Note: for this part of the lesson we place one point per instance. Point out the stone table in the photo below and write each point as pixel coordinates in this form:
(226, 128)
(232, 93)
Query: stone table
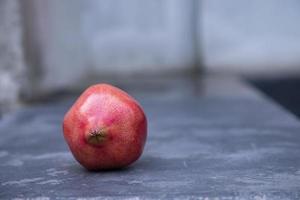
(213, 138)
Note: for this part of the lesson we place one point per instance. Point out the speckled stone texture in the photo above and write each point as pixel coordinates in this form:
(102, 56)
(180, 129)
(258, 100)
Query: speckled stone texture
(217, 139)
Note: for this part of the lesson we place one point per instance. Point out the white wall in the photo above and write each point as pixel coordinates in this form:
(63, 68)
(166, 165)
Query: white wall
(113, 37)
(251, 37)
(67, 42)
(110, 38)
(12, 68)
(137, 36)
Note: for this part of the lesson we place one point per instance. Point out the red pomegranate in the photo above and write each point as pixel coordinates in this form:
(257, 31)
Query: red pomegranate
(105, 128)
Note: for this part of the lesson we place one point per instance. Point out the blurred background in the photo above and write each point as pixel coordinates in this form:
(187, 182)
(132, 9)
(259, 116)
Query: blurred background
(47, 47)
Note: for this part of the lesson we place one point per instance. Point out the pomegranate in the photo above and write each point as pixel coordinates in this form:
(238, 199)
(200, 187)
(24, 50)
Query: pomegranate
(105, 128)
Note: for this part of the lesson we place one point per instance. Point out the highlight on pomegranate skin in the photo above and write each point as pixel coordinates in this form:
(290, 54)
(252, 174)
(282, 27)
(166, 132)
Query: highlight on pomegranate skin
(105, 128)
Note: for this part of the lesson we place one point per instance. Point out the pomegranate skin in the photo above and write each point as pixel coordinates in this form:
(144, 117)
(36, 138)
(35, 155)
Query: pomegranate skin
(105, 128)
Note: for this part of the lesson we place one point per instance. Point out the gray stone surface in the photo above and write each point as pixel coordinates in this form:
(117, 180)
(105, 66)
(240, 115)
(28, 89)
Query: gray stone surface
(229, 143)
